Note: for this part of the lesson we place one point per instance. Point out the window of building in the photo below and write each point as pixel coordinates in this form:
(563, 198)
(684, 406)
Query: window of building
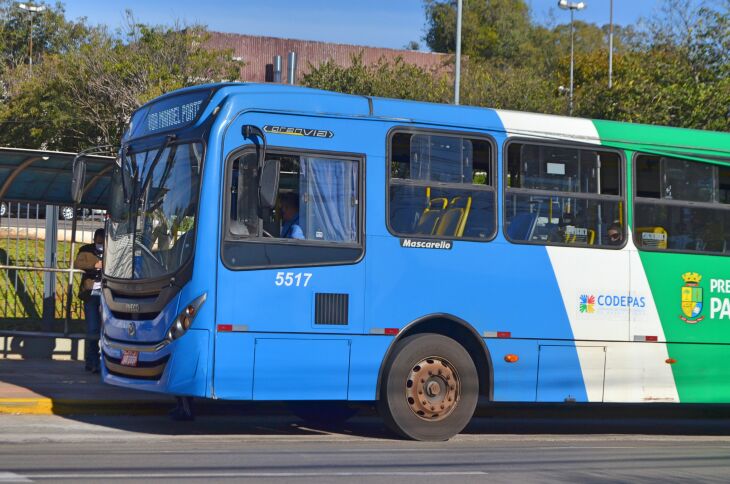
(316, 219)
(681, 205)
(562, 195)
(441, 186)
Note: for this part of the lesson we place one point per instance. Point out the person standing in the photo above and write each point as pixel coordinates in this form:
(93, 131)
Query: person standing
(89, 259)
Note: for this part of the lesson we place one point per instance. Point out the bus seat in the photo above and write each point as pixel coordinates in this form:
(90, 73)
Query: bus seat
(653, 237)
(431, 215)
(579, 235)
(454, 219)
(522, 226)
(715, 245)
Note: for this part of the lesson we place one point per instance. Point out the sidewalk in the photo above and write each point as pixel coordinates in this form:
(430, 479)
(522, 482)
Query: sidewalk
(46, 387)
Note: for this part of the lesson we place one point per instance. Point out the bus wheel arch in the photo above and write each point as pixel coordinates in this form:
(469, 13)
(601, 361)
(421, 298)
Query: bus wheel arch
(431, 379)
(457, 329)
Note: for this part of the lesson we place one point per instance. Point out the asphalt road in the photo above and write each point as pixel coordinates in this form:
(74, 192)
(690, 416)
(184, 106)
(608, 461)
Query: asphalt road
(280, 448)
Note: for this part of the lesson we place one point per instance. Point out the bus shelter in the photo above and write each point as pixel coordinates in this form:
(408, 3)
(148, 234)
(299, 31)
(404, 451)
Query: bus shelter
(40, 226)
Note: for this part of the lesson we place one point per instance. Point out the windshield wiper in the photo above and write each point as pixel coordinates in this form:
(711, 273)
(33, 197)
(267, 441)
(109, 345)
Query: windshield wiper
(168, 139)
(123, 154)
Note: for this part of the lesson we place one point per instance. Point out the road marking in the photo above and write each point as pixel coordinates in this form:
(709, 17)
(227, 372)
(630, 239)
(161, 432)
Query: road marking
(12, 477)
(28, 406)
(181, 475)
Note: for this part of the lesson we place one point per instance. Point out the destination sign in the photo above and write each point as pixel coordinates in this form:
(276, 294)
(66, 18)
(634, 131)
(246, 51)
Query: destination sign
(169, 113)
(173, 117)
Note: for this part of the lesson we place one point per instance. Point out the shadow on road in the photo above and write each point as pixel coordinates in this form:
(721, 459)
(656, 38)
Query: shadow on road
(81, 396)
(245, 419)
(649, 419)
(232, 419)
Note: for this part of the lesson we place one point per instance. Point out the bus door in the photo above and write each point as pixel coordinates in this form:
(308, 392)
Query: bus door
(290, 280)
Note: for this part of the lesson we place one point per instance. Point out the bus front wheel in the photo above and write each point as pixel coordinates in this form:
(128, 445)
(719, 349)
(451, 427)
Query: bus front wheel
(429, 389)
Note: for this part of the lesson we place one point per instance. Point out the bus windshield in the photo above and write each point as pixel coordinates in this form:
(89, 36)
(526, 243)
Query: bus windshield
(152, 211)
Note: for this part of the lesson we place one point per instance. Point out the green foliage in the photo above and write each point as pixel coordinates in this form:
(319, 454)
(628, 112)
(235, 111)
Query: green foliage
(678, 76)
(491, 29)
(675, 71)
(52, 33)
(509, 87)
(85, 95)
(396, 79)
(86, 81)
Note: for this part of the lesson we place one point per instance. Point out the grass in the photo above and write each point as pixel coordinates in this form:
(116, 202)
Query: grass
(21, 291)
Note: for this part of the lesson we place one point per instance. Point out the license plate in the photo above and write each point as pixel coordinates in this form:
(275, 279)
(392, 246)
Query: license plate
(129, 358)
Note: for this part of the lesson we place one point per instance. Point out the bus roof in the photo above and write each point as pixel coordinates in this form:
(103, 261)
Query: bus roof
(623, 135)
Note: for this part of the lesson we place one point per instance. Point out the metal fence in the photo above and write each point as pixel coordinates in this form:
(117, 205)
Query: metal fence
(36, 245)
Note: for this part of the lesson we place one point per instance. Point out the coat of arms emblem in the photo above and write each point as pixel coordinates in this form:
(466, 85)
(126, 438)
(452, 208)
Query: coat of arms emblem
(691, 298)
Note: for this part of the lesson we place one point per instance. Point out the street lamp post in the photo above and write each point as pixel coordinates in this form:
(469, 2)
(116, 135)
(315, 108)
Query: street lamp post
(610, 47)
(566, 5)
(457, 72)
(31, 9)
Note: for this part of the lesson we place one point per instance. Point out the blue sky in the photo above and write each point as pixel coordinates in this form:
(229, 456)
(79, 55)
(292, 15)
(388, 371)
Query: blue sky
(381, 23)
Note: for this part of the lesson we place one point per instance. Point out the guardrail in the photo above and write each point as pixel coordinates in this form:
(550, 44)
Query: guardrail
(24, 299)
(38, 283)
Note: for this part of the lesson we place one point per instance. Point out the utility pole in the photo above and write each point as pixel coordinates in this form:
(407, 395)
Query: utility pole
(566, 5)
(457, 74)
(610, 48)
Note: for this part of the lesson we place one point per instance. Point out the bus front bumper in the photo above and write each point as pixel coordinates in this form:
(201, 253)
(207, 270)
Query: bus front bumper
(179, 367)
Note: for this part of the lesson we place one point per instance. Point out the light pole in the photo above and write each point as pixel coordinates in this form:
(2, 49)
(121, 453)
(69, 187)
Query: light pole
(566, 5)
(31, 9)
(457, 73)
(610, 47)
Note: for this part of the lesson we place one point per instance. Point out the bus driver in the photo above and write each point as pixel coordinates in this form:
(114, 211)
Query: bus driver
(290, 228)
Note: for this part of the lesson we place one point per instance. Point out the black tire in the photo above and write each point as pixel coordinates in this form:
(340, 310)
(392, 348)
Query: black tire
(323, 413)
(435, 417)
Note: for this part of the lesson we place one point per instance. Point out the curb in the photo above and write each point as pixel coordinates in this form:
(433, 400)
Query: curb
(49, 406)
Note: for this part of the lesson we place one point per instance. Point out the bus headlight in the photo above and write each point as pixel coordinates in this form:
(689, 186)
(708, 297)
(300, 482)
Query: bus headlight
(184, 320)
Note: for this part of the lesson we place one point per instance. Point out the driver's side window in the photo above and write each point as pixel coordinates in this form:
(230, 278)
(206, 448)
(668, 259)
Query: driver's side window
(317, 199)
(317, 207)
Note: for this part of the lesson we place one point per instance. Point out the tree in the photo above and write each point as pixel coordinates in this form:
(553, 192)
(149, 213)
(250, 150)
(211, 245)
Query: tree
(677, 75)
(491, 29)
(52, 33)
(509, 87)
(396, 79)
(85, 96)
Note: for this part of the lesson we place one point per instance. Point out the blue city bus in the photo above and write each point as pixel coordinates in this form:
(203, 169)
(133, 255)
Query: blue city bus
(277, 243)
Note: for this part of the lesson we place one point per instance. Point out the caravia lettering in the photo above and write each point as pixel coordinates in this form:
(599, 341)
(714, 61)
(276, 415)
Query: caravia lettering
(291, 131)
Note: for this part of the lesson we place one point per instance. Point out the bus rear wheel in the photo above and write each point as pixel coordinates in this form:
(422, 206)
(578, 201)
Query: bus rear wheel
(429, 389)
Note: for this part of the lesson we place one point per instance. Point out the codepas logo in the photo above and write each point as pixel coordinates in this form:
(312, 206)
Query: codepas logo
(590, 303)
(587, 304)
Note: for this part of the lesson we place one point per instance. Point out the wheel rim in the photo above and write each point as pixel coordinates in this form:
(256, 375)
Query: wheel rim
(433, 388)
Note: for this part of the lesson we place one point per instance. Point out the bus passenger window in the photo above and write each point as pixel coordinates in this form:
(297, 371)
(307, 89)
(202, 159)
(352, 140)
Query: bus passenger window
(558, 195)
(441, 186)
(687, 208)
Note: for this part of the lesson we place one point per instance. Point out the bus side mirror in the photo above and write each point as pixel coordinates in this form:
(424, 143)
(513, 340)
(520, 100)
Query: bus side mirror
(269, 184)
(77, 179)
